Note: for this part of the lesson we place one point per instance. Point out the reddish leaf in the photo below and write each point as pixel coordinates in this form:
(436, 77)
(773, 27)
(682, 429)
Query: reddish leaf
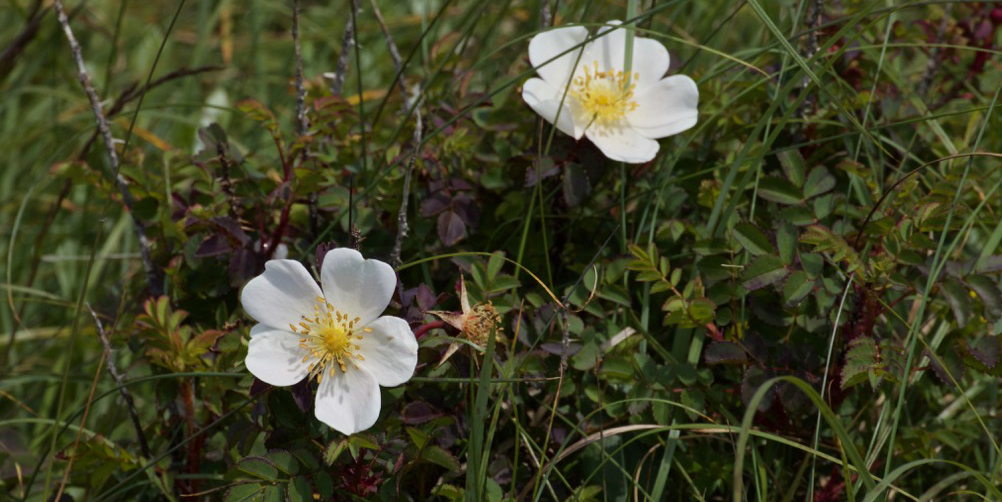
(451, 228)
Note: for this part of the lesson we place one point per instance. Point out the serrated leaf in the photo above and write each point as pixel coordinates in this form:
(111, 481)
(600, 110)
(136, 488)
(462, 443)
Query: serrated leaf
(259, 467)
(779, 190)
(701, 311)
(989, 293)
(797, 287)
(752, 239)
(819, 181)
(334, 450)
(952, 366)
(244, 492)
(284, 461)
(763, 271)
(860, 359)
(960, 302)
(437, 455)
(987, 351)
(724, 353)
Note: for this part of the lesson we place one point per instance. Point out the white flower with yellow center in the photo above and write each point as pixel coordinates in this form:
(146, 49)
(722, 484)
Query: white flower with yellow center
(335, 336)
(585, 92)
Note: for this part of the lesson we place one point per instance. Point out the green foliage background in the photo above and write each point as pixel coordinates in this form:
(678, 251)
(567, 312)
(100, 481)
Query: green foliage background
(798, 299)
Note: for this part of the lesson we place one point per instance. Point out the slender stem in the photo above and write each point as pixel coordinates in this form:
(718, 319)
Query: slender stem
(126, 395)
(152, 274)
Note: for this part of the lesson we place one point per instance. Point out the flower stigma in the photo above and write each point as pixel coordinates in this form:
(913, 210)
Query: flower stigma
(330, 337)
(604, 97)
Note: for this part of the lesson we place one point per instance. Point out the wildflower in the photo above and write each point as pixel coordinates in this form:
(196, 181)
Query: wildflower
(475, 323)
(335, 336)
(585, 92)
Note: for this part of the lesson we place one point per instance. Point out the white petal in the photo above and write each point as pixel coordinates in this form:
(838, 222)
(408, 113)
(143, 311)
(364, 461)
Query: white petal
(348, 401)
(549, 44)
(650, 58)
(623, 144)
(274, 356)
(355, 286)
(281, 295)
(390, 351)
(666, 108)
(545, 100)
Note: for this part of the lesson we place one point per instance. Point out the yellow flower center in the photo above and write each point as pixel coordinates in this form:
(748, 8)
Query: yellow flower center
(330, 338)
(604, 96)
(480, 322)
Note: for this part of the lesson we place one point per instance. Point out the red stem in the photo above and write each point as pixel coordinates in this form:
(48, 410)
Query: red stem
(425, 328)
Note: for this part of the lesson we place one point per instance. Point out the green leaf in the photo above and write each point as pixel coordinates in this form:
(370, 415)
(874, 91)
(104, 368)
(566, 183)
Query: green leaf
(259, 467)
(616, 294)
(436, 455)
(798, 215)
(273, 493)
(244, 492)
(494, 265)
(797, 287)
(786, 241)
(793, 165)
(960, 302)
(284, 461)
(299, 490)
(819, 181)
(334, 450)
(324, 484)
(779, 190)
(701, 311)
(752, 239)
(763, 271)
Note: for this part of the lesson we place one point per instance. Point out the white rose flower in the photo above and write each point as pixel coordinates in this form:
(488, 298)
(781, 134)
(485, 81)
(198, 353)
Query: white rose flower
(622, 116)
(335, 336)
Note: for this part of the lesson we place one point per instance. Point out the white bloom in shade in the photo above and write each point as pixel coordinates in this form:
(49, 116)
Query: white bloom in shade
(594, 98)
(335, 336)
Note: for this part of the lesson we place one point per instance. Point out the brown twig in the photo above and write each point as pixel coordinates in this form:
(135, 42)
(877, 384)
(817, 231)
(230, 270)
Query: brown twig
(152, 274)
(122, 389)
(14, 49)
(347, 42)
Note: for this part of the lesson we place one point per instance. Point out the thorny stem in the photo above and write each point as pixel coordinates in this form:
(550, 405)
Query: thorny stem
(410, 100)
(126, 395)
(814, 11)
(152, 274)
(347, 42)
(301, 123)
